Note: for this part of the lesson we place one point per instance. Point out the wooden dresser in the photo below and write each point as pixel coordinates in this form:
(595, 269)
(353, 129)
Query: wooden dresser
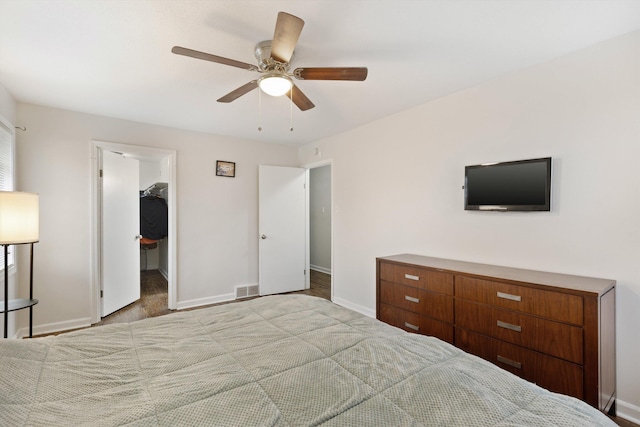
(556, 330)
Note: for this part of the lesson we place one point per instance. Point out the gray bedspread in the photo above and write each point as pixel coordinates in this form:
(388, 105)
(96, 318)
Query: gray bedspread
(273, 361)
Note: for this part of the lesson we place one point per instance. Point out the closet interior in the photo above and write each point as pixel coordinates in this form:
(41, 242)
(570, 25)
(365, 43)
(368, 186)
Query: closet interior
(153, 216)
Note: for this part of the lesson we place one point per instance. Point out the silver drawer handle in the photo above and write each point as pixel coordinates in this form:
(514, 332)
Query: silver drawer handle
(509, 362)
(509, 296)
(410, 326)
(411, 277)
(506, 325)
(412, 299)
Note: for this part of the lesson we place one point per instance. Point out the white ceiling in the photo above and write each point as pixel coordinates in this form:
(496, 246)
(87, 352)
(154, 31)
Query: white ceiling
(113, 57)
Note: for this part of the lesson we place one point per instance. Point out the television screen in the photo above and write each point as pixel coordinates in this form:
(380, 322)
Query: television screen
(523, 185)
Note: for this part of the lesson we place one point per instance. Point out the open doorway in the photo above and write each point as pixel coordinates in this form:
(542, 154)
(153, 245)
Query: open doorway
(320, 231)
(157, 165)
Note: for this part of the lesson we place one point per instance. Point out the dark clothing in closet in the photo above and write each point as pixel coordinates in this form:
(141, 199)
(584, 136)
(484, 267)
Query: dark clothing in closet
(154, 216)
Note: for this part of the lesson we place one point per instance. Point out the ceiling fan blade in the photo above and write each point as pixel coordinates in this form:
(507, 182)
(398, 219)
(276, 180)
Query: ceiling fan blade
(213, 58)
(285, 36)
(235, 94)
(300, 99)
(329, 73)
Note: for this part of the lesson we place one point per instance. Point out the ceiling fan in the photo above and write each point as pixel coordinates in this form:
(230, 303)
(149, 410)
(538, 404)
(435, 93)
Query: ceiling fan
(273, 61)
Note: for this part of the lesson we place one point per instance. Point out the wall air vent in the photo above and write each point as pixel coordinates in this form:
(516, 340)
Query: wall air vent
(247, 291)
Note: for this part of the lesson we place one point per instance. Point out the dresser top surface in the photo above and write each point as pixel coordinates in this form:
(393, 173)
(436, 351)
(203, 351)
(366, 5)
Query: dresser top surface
(577, 283)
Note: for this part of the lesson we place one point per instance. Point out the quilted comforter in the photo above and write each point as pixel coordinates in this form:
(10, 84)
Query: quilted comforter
(274, 361)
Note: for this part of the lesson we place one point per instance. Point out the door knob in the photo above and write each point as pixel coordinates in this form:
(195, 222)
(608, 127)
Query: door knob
(264, 236)
(139, 236)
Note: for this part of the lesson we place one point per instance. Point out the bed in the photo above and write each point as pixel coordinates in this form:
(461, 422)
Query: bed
(287, 360)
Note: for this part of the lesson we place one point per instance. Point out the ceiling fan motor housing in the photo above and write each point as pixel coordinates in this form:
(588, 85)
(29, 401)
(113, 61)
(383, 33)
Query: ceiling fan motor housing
(266, 62)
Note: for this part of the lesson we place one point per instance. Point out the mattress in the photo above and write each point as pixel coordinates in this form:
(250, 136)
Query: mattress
(284, 360)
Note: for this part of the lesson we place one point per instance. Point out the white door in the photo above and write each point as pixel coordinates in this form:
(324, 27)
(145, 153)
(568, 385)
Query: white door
(120, 266)
(282, 229)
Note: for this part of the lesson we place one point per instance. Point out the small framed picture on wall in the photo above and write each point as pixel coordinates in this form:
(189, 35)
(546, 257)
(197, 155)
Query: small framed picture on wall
(225, 168)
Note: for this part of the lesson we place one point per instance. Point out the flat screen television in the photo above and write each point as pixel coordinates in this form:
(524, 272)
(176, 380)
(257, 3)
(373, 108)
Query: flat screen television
(523, 185)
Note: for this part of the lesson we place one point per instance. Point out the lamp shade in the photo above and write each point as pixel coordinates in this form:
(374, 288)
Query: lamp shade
(19, 218)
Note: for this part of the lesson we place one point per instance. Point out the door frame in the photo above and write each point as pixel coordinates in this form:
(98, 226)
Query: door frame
(308, 167)
(141, 153)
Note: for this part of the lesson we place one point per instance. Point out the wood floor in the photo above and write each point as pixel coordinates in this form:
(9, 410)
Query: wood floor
(153, 300)
(623, 423)
(153, 297)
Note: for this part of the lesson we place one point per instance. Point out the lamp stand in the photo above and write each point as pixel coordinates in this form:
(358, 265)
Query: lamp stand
(17, 304)
(31, 291)
(6, 290)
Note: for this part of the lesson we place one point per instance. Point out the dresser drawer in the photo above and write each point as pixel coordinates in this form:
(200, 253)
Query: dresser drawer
(429, 280)
(414, 322)
(554, 338)
(549, 372)
(548, 304)
(430, 304)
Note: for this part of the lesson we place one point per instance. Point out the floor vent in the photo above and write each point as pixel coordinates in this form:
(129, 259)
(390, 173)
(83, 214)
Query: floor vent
(247, 291)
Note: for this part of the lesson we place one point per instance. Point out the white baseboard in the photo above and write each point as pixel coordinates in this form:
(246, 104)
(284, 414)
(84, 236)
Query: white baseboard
(217, 298)
(51, 328)
(355, 307)
(320, 269)
(86, 322)
(164, 273)
(628, 411)
(205, 301)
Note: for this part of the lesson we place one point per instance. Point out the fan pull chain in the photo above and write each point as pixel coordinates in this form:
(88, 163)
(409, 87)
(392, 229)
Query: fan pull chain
(259, 110)
(291, 111)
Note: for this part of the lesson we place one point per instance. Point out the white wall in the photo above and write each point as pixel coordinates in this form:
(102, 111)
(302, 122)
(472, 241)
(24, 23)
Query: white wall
(217, 243)
(7, 106)
(397, 183)
(320, 218)
(152, 172)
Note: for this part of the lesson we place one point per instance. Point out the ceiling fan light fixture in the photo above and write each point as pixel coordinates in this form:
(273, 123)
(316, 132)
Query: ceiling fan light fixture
(275, 84)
